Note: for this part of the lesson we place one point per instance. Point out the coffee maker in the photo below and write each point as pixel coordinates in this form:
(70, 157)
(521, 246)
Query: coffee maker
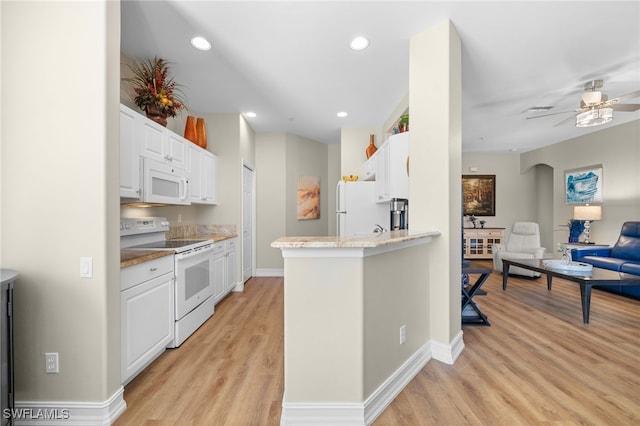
(399, 214)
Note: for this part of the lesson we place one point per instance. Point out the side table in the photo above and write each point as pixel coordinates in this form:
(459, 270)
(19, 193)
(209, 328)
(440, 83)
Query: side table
(470, 291)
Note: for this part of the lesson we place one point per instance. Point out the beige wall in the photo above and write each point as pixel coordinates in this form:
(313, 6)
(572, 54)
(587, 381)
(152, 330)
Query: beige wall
(344, 345)
(271, 222)
(333, 176)
(60, 194)
(353, 144)
(280, 159)
(435, 152)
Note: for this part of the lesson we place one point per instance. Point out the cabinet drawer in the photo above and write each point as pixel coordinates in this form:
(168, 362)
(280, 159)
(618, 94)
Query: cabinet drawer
(231, 244)
(484, 234)
(137, 274)
(219, 247)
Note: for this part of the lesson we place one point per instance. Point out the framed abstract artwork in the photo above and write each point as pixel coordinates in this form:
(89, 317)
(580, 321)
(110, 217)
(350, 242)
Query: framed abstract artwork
(479, 195)
(308, 197)
(583, 185)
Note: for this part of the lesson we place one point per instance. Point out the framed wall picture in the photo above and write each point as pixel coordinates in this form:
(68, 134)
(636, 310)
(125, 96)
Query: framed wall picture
(308, 197)
(583, 185)
(479, 195)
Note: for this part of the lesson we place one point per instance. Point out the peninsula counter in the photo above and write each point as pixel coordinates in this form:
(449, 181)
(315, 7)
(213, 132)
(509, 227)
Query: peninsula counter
(356, 323)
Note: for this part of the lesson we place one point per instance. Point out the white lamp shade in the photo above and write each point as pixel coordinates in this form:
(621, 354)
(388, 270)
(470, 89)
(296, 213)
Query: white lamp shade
(587, 212)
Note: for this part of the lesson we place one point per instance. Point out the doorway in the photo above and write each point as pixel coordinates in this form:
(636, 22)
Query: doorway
(248, 220)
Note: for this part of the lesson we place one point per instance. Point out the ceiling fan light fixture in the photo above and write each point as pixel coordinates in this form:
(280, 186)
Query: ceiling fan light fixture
(592, 98)
(594, 117)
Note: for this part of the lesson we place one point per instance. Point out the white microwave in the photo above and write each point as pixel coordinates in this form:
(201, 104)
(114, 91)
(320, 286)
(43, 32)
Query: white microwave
(164, 183)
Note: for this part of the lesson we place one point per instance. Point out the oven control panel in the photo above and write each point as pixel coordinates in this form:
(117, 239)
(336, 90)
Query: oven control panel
(143, 225)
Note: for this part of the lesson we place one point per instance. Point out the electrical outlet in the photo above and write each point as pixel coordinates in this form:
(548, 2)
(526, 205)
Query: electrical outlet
(51, 362)
(403, 334)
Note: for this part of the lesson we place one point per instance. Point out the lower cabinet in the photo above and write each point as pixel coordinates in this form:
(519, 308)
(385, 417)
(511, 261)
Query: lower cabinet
(478, 242)
(224, 268)
(147, 314)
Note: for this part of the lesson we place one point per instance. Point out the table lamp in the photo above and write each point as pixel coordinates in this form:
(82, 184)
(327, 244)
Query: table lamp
(588, 214)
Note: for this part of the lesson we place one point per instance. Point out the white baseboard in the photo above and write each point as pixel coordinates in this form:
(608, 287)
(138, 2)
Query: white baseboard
(346, 414)
(265, 272)
(448, 353)
(43, 413)
(238, 287)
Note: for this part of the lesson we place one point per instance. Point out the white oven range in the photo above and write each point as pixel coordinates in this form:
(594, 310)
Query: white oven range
(193, 270)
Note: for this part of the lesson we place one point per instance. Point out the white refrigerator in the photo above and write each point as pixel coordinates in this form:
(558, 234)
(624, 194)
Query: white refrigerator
(357, 211)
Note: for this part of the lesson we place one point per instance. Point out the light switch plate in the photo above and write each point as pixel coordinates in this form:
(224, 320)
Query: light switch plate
(86, 267)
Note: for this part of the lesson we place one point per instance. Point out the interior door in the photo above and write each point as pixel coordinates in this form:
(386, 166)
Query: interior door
(248, 220)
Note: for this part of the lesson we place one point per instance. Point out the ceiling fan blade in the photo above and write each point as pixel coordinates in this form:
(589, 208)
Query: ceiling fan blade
(566, 120)
(625, 107)
(631, 95)
(552, 113)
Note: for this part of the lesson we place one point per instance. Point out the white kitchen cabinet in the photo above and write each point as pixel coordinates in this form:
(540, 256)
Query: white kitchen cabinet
(147, 314)
(224, 268)
(370, 167)
(129, 154)
(202, 169)
(392, 174)
(219, 266)
(161, 144)
(230, 267)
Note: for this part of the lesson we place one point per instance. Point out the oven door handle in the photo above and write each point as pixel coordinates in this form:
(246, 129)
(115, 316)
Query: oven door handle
(195, 252)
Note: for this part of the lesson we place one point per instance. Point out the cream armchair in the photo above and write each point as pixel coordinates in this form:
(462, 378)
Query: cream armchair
(523, 243)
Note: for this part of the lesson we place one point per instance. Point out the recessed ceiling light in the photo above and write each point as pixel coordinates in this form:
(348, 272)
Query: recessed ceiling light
(359, 43)
(200, 43)
(342, 114)
(251, 114)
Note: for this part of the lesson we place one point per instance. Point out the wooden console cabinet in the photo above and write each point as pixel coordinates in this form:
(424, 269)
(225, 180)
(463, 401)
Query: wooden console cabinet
(478, 242)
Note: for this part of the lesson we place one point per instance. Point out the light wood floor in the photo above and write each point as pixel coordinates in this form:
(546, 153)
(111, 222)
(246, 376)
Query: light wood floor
(537, 364)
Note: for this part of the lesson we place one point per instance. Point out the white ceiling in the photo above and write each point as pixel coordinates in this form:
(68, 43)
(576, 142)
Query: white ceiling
(290, 62)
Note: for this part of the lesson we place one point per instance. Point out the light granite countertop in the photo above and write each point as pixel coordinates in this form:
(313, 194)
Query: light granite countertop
(130, 257)
(360, 241)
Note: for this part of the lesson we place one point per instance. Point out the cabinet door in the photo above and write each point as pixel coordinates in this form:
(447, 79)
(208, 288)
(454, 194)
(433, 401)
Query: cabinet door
(398, 169)
(194, 169)
(219, 263)
(129, 154)
(176, 150)
(382, 174)
(209, 178)
(152, 140)
(230, 265)
(147, 323)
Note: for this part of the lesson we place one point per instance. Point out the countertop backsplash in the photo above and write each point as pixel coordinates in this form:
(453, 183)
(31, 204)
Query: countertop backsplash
(191, 231)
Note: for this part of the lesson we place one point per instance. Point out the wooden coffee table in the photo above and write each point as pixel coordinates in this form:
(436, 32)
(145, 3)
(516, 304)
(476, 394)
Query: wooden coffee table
(597, 278)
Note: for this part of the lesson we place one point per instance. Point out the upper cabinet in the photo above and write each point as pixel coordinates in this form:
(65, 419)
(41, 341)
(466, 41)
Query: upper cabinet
(162, 145)
(202, 170)
(392, 168)
(184, 173)
(129, 155)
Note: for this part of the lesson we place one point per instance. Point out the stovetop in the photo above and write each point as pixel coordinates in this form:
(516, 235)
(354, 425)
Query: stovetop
(168, 244)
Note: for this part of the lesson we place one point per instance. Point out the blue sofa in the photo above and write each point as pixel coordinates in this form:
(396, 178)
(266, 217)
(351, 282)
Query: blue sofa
(624, 256)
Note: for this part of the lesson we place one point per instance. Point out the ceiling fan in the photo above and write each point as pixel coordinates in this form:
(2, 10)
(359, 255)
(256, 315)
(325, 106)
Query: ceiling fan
(595, 107)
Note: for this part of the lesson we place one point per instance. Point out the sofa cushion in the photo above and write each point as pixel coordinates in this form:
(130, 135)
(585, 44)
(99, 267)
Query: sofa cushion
(628, 244)
(631, 268)
(603, 262)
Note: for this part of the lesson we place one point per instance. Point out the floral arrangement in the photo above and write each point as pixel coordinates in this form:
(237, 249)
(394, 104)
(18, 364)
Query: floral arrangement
(156, 92)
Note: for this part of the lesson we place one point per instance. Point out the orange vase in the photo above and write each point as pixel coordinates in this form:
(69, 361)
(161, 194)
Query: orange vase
(190, 132)
(201, 131)
(371, 149)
